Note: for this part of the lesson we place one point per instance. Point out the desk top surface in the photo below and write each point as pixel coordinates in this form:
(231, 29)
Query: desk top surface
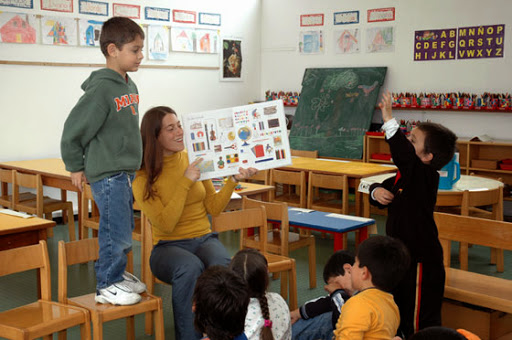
(332, 166)
(49, 166)
(327, 221)
(12, 224)
(253, 188)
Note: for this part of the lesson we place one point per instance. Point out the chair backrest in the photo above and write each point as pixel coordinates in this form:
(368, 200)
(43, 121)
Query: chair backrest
(6, 177)
(297, 178)
(304, 153)
(32, 181)
(261, 176)
(71, 253)
(88, 206)
(277, 211)
(26, 258)
(481, 231)
(243, 220)
(334, 182)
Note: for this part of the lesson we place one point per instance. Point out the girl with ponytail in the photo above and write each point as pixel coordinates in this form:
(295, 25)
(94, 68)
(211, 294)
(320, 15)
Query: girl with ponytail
(268, 315)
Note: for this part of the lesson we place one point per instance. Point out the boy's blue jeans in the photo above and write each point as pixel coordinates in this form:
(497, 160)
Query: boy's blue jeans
(114, 198)
(319, 327)
(180, 263)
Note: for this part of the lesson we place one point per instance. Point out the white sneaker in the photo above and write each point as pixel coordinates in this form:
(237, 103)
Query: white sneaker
(117, 294)
(132, 282)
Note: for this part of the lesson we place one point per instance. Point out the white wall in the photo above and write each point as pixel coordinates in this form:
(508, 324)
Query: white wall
(283, 67)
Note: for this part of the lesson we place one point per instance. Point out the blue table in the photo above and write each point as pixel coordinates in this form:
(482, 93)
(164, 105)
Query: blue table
(335, 224)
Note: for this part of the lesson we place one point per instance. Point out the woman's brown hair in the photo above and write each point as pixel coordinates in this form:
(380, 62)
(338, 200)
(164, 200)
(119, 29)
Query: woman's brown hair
(152, 158)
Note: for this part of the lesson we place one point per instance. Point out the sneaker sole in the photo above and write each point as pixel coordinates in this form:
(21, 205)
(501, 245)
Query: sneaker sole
(104, 300)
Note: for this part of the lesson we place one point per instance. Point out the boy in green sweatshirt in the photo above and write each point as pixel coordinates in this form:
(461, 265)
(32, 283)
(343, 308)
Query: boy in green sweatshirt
(101, 144)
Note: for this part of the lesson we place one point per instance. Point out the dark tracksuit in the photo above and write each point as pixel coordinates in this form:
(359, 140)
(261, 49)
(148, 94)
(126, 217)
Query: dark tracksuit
(411, 219)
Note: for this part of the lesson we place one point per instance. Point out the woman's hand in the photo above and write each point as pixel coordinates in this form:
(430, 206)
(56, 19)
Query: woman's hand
(383, 196)
(193, 173)
(245, 173)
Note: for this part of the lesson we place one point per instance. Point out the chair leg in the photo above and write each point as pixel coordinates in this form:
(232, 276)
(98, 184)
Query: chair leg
(500, 261)
(71, 223)
(463, 255)
(148, 324)
(97, 327)
(293, 286)
(129, 262)
(493, 256)
(159, 322)
(312, 264)
(130, 328)
(49, 231)
(63, 335)
(85, 330)
(284, 284)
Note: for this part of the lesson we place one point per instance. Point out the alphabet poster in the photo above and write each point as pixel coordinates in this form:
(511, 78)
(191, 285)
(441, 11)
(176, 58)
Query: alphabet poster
(435, 44)
(481, 42)
(245, 136)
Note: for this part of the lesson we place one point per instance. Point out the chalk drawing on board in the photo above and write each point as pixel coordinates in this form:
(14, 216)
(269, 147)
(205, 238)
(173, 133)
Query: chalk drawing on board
(158, 42)
(380, 39)
(59, 31)
(89, 32)
(347, 41)
(17, 28)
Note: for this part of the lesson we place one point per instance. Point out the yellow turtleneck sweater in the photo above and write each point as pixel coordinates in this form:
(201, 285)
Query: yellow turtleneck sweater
(179, 209)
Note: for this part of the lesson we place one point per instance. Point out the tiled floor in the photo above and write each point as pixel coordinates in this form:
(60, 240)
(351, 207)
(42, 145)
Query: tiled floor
(20, 288)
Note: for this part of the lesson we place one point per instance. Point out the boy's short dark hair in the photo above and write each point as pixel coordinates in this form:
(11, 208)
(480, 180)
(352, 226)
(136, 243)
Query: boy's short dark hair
(386, 258)
(221, 298)
(334, 265)
(440, 142)
(118, 31)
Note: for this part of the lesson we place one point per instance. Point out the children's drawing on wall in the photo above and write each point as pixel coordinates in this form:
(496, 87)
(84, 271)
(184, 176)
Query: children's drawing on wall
(89, 32)
(243, 136)
(380, 39)
(231, 59)
(158, 42)
(59, 31)
(183, 39)
(17, 28)
(207, 41)
(311, 42)
(347, 41)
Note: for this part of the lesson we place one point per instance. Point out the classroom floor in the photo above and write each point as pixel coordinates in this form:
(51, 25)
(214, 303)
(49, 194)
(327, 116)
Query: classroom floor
(20, 289)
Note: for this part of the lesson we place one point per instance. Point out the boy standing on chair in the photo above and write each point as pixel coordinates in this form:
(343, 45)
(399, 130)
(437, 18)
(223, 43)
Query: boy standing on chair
(101, 143)
(410, 197)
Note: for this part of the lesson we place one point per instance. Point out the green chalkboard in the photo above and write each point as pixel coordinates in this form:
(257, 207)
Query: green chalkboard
(335, 110)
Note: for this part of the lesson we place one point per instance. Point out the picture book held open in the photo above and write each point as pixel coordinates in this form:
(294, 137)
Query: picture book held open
(245, 136)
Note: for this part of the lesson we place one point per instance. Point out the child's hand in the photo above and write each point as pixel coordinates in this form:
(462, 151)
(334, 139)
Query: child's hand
(294, 316)
(385, 106)
(245, 173)
(77, 178)
(383, 196)
(193, 173)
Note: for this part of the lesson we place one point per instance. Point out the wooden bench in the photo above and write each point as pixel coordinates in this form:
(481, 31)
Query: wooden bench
(492, 293)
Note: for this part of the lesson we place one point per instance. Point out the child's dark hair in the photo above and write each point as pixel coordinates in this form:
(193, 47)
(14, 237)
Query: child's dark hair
(438, 333)
(253, 267)
(440, 142)
(220, 300)
(386, 258)
(118, 31)
(334, 265)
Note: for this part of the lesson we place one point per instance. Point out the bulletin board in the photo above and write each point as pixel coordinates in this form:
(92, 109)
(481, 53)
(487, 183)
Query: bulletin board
(245, 136)
(335, 110)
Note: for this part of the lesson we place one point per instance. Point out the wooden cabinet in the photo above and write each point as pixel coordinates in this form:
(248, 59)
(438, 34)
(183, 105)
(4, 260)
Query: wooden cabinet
(470, 153)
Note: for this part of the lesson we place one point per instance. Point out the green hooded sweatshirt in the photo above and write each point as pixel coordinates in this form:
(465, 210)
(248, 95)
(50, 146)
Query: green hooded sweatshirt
(101, 134)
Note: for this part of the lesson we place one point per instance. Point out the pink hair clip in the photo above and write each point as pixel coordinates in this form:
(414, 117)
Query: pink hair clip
(268, 323)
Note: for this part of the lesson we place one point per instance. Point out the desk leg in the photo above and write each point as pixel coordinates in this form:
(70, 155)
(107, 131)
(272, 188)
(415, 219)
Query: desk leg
(363, 235)
(358, 196)
(338, 241)
(80, 212)
(366, 205)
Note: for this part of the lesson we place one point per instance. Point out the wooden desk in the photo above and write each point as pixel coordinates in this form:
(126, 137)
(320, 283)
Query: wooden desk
(354, 171)
(327, 223)
(255, 191)
(18, 232)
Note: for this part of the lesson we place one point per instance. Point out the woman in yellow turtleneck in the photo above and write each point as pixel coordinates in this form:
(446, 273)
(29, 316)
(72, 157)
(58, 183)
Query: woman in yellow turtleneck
(167, 190)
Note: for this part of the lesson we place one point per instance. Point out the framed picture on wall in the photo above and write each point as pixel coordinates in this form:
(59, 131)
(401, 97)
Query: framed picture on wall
(231, 69)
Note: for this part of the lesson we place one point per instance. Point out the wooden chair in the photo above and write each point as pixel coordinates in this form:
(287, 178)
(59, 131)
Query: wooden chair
(304, 153)
(280, 240)
(42, 205)
(261, 177)
(44, 317)
(257, 218)
(7, 177)
(90, 219)
(86, 250)
(295, 178)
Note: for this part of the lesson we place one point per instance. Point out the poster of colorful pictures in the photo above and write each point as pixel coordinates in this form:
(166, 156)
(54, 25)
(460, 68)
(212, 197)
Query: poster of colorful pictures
(18, 28)
(311, 42)
(89, 32)
(481, 42)
(58, 31)
(347, 41)
(182, 39)
(158, 42)
(207, 41)
(245, 136)
(380, 39)
(231, 59)
(435, 44)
